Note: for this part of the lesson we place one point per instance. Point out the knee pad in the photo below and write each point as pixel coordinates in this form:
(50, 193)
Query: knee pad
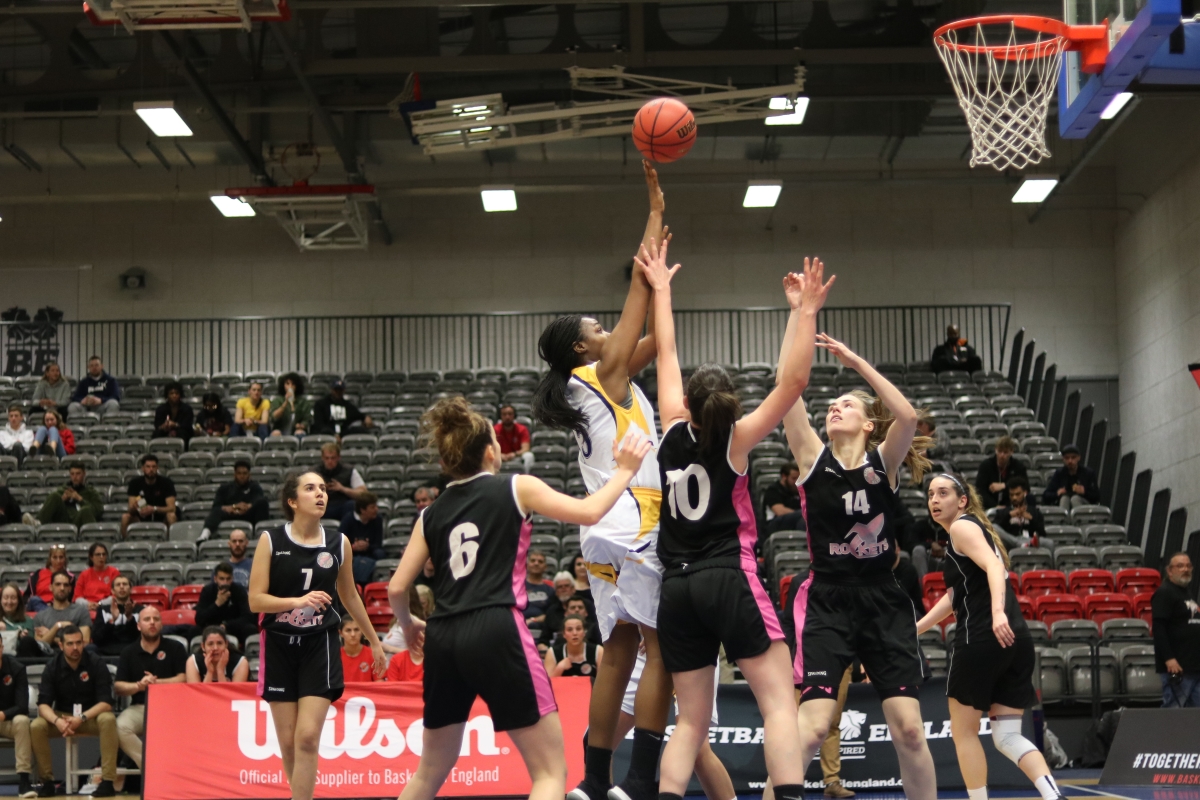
(1006, 733)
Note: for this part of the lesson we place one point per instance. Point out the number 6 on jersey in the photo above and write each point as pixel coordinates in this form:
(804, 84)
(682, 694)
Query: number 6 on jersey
(463, 549)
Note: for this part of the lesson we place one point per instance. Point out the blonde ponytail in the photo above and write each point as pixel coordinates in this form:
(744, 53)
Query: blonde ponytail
(916, 460)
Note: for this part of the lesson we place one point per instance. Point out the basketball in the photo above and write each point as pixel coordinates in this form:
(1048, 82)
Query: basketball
(664, 130)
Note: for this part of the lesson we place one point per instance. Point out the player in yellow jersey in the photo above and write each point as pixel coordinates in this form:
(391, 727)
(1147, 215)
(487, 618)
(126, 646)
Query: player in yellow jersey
(588, 392)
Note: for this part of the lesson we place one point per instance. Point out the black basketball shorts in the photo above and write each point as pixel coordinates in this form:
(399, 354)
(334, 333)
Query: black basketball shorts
(983, 673)
(486, 653)
(702, 610)
(836, 624)
(291, 667)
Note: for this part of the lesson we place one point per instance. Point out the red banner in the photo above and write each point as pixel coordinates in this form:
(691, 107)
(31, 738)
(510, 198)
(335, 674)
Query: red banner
(215, 741)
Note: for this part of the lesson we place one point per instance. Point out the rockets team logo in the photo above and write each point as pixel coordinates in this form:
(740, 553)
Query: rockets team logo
(864, 540)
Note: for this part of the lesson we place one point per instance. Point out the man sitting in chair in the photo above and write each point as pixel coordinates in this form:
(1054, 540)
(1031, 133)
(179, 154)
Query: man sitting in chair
(152, 659)
(14, 718)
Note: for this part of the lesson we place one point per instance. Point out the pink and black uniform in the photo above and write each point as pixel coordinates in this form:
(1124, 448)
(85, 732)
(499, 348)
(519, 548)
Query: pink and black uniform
(851, 606)
(476, 641)
(711, 594)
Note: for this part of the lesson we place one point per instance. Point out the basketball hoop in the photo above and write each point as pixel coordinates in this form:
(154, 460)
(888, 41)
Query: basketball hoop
(1004, 70)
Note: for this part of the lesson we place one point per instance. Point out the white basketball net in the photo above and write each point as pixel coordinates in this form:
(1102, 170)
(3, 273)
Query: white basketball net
(1006, 100)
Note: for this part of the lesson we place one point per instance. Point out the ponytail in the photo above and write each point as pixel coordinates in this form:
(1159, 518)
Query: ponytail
(976, 510)
(461, 435)
(556, 346)
(916, 460)
(714, 405)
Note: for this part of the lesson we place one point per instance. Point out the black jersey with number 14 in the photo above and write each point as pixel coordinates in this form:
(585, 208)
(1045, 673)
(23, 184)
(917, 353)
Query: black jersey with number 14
(478, 539)
(296, 570)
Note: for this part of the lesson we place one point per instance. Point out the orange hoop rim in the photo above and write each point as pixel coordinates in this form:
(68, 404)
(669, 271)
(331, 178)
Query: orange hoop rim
(1063, 36)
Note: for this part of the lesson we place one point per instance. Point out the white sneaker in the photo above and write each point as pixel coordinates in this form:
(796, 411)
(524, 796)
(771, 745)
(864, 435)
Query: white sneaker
(29, 519)
(204, 534)
(88, 788)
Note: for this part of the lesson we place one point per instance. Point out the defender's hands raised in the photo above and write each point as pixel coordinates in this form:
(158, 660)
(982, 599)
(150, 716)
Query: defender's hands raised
(842, 353)
(653, 264)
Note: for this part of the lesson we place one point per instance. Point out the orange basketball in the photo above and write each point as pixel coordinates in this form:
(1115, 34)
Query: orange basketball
(664, 130)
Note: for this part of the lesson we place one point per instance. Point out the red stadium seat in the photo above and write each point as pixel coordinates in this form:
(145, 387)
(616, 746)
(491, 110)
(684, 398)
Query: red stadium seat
(159, 596)
(375, 594)
(1026, 603)
(785, 586)
(933, 586)
(1137, 580)
(1039, 582)
(1051, 608)
(186, 596)
(1015, 581)
(1100, 608)
(179, 616)
(381, 617)
(1084, 582)
(1141, 607)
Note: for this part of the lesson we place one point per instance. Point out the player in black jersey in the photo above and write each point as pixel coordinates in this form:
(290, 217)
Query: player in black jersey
(851, 605)
(992, 658)
(476, 642)
(711, 593)
(297, 569)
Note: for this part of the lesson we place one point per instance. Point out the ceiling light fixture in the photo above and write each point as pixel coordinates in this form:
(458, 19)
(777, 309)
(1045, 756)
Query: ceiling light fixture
(762, 194)
(1035, 190)
(161, 118)
(498, 198)
(799, 108)
(231, 206)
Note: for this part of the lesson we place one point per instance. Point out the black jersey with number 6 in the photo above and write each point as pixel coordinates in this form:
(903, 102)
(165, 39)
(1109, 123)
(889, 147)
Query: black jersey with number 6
(296, 570)
(707, 512)
(851, 520)
(477, 538)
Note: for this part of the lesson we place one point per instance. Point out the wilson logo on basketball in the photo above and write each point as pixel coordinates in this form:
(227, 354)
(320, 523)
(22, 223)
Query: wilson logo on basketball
(686, 130)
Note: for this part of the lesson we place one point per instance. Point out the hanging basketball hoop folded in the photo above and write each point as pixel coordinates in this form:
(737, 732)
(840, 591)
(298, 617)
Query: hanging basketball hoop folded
(1004, 70)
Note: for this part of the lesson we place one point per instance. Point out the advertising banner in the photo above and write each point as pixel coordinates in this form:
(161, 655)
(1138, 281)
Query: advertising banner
(1155, 747)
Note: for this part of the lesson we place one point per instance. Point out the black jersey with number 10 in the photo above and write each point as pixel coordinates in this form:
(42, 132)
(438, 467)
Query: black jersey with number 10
(296, 570)
(478, 539)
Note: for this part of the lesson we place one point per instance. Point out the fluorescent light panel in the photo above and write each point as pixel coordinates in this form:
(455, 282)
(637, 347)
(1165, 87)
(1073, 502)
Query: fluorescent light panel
(762, 194)
(232, 206)
(798, 109)
(161, 118)
(1035, 190)
(498, 198)
(1115, 105)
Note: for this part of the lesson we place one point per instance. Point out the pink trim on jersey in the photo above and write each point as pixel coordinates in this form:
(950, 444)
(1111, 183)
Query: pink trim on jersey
(519, 574)
(799, 612)
(262, 662)
(537, 667)
(747, 537)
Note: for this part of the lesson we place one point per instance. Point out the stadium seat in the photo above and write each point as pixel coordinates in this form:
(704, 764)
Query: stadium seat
(1079, 667)
(1038, 631)
(1062, 535)
(1090, 515)
(132, 552)
(107, 532)
(1116, 630)
(1141, 607)
(1054, 607)
(1053, 677)
(1026, 604)
(1118, 557)
(933, 586)
(1040, 582)
(1090, 581)
(375, 594)
(938, 660)
(1074, 630)
(381, 617)
(1138, 674)
(1137, 580)
(1069, 559)
(199, 571)
(179, 616)
(157, 596)
(1025, 559)
(1101, 535)
(57, 532)
(186, 596)
(146, 532)
(1102, 607)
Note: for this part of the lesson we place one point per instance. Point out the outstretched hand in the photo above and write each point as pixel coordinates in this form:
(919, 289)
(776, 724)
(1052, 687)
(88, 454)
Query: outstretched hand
(657, 202)
(630, 451)
(653, 263)
(839, 351)
(813, 286)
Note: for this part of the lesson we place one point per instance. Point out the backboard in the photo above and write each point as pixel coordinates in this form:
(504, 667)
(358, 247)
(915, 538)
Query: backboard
(1149, 43)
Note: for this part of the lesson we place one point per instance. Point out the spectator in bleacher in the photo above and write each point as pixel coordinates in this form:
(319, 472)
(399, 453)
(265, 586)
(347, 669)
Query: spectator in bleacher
(991, 482)
(10, 509)
(424, 496)
(426, 577)
(173, 418)
(1019, 522)
(241, 499)
(572, 654)
(291, 411)
(927, 427)
(12, 614)
(513, 437)
(556, 614)
(214, 663)
(363, 527)
(15, 438)
(77, 503)
(52, 436)
(1177, 635)
(14, 719)
(556, 608)
(38, 589)
(75, 679)
(94, 585)
(357, 660)
(97, 391)
(239, 559)
(782, 500)
(252, 416)
(334, 415)
(954, 353)
(115, 626)
(52, 392)
(151, 496)
(343, 484)
(537, 589)
(59, 614)
(223, 602)
(151, 659)
(1072, 485)
(213, 419)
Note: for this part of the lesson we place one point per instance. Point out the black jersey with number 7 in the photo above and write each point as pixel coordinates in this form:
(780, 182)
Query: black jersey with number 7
(296, 570)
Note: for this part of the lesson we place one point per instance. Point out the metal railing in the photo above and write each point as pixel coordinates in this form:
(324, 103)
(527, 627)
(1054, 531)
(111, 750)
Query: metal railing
(465, 341)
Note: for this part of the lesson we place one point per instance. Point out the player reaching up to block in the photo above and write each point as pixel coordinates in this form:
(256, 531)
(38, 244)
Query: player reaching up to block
(711, 593)
(476, 642)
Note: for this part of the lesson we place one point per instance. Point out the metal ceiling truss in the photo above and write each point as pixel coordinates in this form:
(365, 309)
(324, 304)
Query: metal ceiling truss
(487, 123)
(315, 217)
(135, 15)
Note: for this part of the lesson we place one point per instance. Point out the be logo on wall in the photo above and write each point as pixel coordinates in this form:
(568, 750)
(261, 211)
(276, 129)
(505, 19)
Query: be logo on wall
(29, 344)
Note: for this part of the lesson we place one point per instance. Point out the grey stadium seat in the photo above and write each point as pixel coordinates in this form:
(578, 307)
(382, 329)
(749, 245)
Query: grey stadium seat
(1079, 667)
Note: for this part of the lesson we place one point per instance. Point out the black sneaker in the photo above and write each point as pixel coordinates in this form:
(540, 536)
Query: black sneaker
(634, 789)
(589, 789)
(105, 789)
(47, 789)
(24, 787)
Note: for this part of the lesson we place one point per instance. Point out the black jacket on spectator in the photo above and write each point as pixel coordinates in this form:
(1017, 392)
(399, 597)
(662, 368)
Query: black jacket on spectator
(1176, 628)
(215, 422)
(63, 687)
(989, 473)
(343, 474)
(952, 355)
(236, 609)
(355, 529)
(182, 416)
(113, 634)
(14, 688)
(1013, 533)
(334, 422)
(231, 493)
(136, 662)
(10, 511)
(1061, 479)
